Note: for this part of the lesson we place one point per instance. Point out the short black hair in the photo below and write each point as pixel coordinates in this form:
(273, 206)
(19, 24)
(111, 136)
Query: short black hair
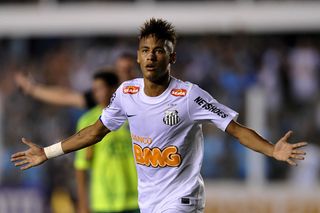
(108, 76)
(159, 28)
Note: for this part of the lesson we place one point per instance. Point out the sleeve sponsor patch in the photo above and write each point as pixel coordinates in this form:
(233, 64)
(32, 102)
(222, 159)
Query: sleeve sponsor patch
(210, 107)
(179, 92)
(131, 90)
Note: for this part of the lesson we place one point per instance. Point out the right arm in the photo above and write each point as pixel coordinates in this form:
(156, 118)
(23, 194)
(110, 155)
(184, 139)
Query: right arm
(36, 155)
(50, 94)
(112, 117)
(85, 137)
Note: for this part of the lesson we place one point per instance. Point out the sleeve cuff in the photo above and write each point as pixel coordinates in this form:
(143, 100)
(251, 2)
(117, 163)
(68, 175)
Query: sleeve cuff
(231, 117)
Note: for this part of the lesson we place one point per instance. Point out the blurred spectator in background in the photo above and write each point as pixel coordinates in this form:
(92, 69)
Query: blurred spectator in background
(57, 95)
(113, 178)
(123, 193)
(269, 78)
(304, 73)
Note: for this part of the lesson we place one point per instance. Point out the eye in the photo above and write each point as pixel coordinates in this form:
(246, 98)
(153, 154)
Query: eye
(144, 50)
(159, 51)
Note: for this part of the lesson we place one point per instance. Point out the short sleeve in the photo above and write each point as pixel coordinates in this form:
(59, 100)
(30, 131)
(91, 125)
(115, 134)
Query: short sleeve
(203, 107)
(113, 116)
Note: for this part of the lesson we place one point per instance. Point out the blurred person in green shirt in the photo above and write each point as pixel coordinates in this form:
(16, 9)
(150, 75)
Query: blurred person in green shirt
(113, 181)
(113, 178)
(108, 195)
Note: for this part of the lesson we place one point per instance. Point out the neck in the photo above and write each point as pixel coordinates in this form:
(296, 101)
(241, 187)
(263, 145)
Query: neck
(154, 89)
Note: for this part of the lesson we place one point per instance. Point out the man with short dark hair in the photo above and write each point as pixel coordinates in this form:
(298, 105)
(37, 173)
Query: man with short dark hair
(165, 117)
(112, 183)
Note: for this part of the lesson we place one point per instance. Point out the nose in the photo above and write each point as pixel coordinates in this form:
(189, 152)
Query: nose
(151, 56)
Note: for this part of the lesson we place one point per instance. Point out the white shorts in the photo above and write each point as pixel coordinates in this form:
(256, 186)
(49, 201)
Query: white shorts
(184, 209)
(188, 205)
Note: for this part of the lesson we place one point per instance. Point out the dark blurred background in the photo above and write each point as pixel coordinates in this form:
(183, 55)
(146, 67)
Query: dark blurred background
(272, 67)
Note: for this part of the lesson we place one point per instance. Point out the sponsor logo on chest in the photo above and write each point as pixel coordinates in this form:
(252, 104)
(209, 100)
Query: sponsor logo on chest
(179, 92)
(156, 157)
(131, 90)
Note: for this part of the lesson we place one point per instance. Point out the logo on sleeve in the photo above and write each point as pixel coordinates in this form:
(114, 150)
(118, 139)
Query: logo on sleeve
(178, 92)
(171, 117)
(210, 107)
(112, 99)
(131, 90)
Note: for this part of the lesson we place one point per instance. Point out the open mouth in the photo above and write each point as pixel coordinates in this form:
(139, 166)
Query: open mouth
(151, 67)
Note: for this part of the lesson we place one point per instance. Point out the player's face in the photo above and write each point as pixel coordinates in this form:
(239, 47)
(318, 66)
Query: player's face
(101, 92)
(155, 57)
(125, 68)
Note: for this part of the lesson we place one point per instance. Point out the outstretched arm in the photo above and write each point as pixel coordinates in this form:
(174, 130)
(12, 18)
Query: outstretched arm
(36, 155)
(282, 150)
(50, 94)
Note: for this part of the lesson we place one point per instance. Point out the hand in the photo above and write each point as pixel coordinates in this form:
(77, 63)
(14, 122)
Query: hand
(24, 82)
(284, 151)
(34, 156)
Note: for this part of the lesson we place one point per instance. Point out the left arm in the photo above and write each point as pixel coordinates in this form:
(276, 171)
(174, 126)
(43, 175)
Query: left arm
(282, 150)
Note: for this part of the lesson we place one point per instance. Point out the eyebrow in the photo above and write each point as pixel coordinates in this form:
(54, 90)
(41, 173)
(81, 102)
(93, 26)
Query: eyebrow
(157, 47)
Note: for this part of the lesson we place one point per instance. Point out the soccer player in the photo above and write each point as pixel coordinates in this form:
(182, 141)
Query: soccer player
(113, 178)
(165, 116)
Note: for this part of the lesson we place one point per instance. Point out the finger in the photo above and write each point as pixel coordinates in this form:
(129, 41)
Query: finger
(27, 142)
(21, 163)
(287, 135)
(18, 154)
(28, 166)
(301, 144)
(298, 152)
(298, 157)
(291, 162)
(18, 158)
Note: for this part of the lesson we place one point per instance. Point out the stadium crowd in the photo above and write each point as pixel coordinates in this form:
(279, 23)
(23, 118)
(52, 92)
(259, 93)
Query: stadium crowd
(286, 67)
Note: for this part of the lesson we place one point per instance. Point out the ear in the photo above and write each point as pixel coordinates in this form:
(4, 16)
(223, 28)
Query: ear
(173, 57)
(138, 57)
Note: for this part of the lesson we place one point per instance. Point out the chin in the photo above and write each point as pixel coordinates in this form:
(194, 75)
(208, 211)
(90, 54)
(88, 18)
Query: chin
(151, 77)
(156, 79)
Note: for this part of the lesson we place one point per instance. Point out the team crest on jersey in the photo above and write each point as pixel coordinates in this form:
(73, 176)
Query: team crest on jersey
(131, 90)
(178, 92)
(171, 117)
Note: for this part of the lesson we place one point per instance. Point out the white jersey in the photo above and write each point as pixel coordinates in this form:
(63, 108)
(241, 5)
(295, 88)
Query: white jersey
(167, 139)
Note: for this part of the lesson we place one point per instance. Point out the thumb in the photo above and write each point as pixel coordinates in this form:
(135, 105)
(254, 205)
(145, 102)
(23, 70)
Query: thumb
(27, 142)
(287, 135)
